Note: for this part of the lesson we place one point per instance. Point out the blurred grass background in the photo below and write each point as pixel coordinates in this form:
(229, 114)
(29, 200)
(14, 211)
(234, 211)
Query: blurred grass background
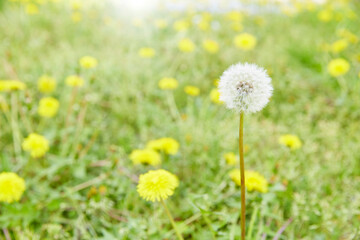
(121, 108)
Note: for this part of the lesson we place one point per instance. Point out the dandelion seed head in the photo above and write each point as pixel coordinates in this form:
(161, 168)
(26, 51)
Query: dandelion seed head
(245, 88)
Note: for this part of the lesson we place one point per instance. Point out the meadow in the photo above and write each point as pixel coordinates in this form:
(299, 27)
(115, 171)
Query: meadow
(92, 96)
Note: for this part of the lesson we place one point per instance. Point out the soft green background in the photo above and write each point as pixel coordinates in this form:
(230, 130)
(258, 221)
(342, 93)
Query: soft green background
(121, 108)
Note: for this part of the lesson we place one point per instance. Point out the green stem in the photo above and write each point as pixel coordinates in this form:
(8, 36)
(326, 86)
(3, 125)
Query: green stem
(343, 86)
(172, 220)
(172, 105)
(252, 222)
(242, 174)
(208, 222)
(15, 126)
(67, 121)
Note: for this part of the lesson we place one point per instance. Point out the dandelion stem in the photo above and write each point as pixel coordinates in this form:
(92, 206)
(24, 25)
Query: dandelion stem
(70, 106)
(15, 126)
(172, 105)
(252, 222)
(343, 86)
(79, 127)
(242, 174)
(67, 120)
(172, 220)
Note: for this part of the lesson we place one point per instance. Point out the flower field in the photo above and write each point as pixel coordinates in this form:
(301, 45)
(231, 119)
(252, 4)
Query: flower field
(179, 120)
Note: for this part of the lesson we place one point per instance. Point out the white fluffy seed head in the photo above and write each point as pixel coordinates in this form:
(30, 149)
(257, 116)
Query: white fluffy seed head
(245, 88)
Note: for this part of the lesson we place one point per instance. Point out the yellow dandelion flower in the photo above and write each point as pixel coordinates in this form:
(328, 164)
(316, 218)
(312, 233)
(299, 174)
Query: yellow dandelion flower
(215, 96)
(350, 14)
(74, 81)
(338, 67)
(36, 144)
(157, 185)
(254, 181)
(352, 38)
(145, 156)
(230, 158)
(167, 145)
(310, 6)
(206, 16)
(245, 41)
(167, 83)
(31, 9)
(203, 25)
(11, 85)
(339, 46)
(12, 187)
(325, 15)
(161, 23)
(92, 192)
(48, 107)
(211, 46)
(76, 17)
(186, 45)
(234, 16)
(88, 62)
(76, 5)
(46, 84)
(181, 25)
(155, 145)
(102, 190)
(146, 52)
(291, 141)
(192, 91)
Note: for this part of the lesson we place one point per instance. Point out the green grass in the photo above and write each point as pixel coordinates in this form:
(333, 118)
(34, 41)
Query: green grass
(123, 108)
